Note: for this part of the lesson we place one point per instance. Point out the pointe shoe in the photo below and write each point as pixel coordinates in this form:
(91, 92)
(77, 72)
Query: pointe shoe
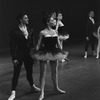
(12, 96)
(85, 56)
(34, 88)
(41, 97)
(97, 57)
(60, 91)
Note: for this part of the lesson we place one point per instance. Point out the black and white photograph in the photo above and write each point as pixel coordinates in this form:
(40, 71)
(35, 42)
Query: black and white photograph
(49, 50)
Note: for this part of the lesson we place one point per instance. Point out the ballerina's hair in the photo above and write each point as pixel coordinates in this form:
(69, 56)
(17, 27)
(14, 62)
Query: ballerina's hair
(46, 17)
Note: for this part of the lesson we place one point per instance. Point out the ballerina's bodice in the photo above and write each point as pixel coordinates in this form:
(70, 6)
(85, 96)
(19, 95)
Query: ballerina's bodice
(49, 43)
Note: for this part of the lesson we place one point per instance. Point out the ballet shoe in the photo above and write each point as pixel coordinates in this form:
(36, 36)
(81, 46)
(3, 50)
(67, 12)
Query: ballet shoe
(85, 56)
(59, 91)
(12, 96)
(41, 97)
(35, 89)
(97, 57)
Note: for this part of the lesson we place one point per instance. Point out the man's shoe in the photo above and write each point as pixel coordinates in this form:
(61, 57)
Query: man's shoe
(41, 96)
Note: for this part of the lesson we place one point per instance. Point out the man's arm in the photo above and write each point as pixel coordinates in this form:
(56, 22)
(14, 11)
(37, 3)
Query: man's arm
(13, 45)
(87, 30)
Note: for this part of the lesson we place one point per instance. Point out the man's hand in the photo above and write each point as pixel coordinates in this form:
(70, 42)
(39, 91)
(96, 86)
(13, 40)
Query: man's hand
(15, 62)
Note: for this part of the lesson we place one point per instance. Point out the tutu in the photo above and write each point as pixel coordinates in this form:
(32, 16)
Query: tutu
(49, 51)
(44, 55)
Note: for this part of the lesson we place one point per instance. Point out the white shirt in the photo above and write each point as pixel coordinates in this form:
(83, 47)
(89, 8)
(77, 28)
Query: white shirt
(24, 30)
(92, 20)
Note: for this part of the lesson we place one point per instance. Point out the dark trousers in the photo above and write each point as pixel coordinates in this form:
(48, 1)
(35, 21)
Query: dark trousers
(90, 41)
(28, 63)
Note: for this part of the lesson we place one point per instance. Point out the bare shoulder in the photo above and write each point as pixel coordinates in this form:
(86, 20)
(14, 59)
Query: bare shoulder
(44, 32)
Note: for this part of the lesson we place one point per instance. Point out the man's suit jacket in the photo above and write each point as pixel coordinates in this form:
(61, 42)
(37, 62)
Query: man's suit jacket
(19, 45)
(90, 29)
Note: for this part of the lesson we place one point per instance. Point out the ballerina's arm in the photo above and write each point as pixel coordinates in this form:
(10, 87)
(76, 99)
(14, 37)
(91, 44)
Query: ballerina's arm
(97, 34)
(39, 41)
(59, 44)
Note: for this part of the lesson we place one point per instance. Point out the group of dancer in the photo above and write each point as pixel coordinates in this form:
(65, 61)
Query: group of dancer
(48, 49)
(91, 33)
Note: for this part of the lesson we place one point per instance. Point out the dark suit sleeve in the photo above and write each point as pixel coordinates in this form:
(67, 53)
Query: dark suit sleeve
(90, 29)
(87, 29)
(31, 43)
(13, 45)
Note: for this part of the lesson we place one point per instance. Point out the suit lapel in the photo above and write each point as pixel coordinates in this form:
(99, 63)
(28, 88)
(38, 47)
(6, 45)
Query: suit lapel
(29, 32)
(20, 33)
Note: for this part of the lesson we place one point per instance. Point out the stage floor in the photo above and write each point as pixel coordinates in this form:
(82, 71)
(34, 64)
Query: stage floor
(80, 78)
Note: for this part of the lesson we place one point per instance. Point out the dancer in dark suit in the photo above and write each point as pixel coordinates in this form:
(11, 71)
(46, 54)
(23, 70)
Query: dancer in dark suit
(21, 42)
(90, 39)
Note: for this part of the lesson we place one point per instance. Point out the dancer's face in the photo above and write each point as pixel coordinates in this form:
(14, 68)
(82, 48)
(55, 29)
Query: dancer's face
(53, 15)
(25, 19)
(60, 17)
(52, 22)
(91, 14)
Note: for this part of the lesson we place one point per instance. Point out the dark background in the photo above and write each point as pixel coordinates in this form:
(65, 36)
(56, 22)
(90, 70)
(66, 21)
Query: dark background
(75, 13)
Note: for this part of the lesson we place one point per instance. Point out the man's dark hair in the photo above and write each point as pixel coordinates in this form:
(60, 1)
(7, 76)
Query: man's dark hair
(20, 16)
(91, 11)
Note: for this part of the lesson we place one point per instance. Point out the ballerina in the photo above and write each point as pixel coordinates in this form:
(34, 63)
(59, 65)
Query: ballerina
(59, 26)
(49, 50)
(98, 45)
